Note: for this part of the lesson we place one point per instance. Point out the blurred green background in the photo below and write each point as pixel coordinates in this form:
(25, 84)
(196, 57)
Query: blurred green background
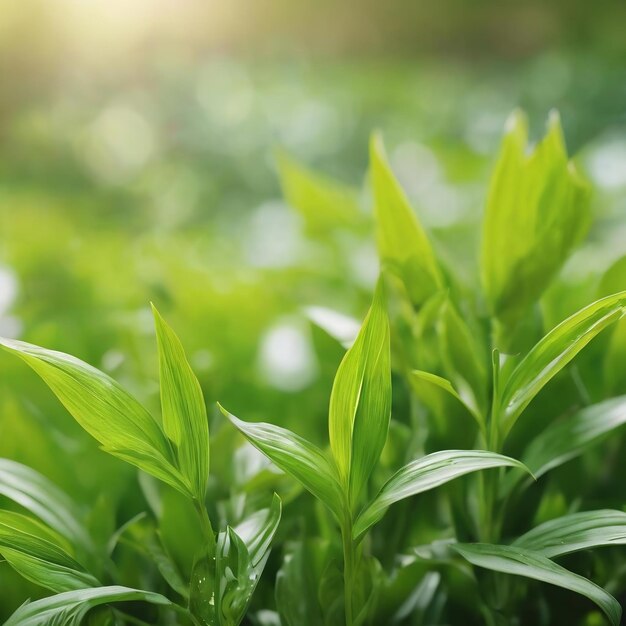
(138, 151)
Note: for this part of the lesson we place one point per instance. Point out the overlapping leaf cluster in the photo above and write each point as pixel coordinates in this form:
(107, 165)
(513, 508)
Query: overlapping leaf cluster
(439, 382)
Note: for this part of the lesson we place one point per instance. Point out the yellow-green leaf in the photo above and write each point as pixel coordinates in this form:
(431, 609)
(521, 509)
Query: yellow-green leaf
(537, 211)
(360, 402)
(183, 409)
(403, 245)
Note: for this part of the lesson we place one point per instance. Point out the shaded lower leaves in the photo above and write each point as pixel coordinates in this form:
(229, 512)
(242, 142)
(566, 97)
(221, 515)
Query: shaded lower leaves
(222, 582)
(71, 607)
(427, 473)
(521, 562)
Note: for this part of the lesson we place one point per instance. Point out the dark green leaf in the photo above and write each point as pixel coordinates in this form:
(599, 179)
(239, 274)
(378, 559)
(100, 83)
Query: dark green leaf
(519, 562)
(424, 474)
(569, 437)
(578, 531)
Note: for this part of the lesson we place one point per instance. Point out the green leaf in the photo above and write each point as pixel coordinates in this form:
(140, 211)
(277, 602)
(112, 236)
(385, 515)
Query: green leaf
(222, 586)
(184, 412)
(537, 212)
(107, 412)
(360, 402)
(519, 562)
(141, 534)
(236, 577)
(424, 474)
(403, 245)
(554, 352)
(464, 360)
(71, 607)
(431, 389)
(325, 204)
(298, 581)
(40, 554)
(295, 456)
(575, 532)
(569, 437)
(258, 530)
(44, 499)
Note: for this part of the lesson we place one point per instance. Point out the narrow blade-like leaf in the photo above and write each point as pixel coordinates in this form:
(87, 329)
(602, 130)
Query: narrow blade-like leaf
(184, 412)
(537, 211)
(423, 381)
(360, 402)
(427, 473)
(258, 530)
(555, 351)
(296, 457)
(570, 437)
(70, 608)
(403, 245)
(44, 499)
(519, 562)
(40, 554)
(105, 410)
(578, 531)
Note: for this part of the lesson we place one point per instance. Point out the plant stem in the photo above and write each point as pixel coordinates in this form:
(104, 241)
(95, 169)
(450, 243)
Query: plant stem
(490, 480)
(348, 568)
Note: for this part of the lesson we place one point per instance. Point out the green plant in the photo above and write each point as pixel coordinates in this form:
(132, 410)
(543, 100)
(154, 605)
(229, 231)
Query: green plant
(537, 211)
(488, 372)
(56, 551)
(358, 422)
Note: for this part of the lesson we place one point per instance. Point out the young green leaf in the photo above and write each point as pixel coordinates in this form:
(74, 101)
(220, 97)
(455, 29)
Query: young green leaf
(236, 578)
(464, 359)
(403, 245)
(44, 499)
(570, 437)
(71, 607)
(107, 412)
(360, 402)
(222, 586)
(578, 531)
(295, 456)
(258, 530)
(521, 562)
(184, 412)
(537, 211)
(424, 474)
(140, 533)
(554, 352)
(40, 554)
(432, 390)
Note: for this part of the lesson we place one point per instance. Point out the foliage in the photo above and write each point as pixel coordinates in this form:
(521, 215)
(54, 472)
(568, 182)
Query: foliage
(450, 411)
